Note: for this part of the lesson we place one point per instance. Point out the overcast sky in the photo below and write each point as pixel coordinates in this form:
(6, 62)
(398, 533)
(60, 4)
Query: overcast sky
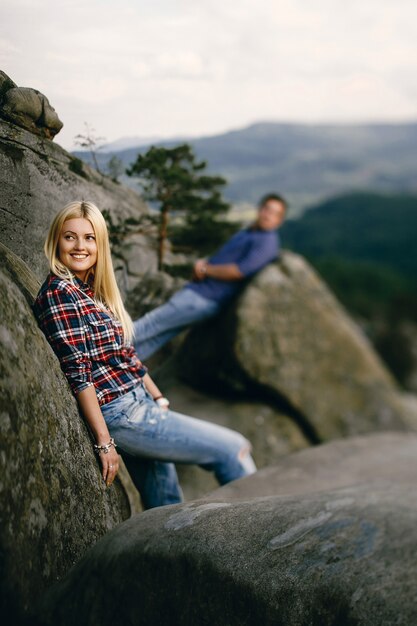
(199, 67)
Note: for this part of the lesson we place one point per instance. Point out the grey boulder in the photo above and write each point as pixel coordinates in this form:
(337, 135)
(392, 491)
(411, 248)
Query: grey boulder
(344, 555)
(53, 501)
(38, 178)
(28, 108)
(287, 338)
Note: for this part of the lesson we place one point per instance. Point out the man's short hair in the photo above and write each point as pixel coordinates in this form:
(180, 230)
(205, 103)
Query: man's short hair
(273, 196)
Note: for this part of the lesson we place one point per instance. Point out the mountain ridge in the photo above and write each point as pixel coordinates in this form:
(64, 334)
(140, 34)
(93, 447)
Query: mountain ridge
(307, 163)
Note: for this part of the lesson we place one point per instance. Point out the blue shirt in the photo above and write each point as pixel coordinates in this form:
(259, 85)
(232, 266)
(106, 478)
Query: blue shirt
(250, 249)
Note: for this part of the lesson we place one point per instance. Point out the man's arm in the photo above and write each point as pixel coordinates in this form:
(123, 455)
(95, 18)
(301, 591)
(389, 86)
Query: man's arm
(226, 271)
(259, 250)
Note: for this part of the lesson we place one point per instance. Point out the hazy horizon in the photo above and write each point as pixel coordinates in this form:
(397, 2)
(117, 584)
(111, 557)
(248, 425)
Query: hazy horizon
(199, 69)
(142, 141)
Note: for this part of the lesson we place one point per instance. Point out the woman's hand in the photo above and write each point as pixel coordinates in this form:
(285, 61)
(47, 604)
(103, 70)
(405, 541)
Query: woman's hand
(110, 465)
(158, 397)
(87, 400)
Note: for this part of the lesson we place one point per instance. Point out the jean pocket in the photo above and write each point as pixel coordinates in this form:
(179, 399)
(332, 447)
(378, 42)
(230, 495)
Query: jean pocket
(135, 410)
(148, 418)
(112, 413)
(117, 408)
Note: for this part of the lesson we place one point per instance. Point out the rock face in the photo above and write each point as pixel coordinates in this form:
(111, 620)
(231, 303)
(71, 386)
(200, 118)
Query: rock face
(37, 178)
(386, 457)
(342, 555)
(53, 501)
(287, 336)
(28, 108)
(327, 543)
(151, 291)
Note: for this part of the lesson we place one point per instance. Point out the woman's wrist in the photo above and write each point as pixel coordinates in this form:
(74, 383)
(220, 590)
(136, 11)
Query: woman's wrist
(162, 401)
(102, 438)
(105, 447)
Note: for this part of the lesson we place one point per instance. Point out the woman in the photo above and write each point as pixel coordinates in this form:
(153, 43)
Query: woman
(80, 310)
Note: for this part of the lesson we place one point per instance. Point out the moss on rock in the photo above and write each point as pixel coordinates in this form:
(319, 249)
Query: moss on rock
(53, 501)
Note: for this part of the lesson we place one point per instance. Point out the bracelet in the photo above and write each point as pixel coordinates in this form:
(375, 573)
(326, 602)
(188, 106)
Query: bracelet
(162, 402)
(157, 397)
(204, 270)
(105, 447)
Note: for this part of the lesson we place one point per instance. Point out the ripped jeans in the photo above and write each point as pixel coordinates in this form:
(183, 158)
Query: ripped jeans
(152, 439)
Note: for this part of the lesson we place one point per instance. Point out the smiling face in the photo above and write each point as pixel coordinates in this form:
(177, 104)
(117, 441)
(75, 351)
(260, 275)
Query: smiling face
(77, 247)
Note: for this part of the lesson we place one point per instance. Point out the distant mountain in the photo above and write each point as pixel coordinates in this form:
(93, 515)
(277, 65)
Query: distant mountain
(307, 163)
(124, 143)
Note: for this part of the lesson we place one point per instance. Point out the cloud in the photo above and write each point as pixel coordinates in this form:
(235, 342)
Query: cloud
(140, 67)
(185, 65)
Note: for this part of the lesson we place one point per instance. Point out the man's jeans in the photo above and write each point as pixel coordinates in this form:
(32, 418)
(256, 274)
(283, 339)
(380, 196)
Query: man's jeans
(154, 329)
(152, 439)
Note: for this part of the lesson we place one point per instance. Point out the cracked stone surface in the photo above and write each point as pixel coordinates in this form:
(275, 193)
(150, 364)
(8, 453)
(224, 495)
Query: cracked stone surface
(28, 108)
(344, 554)
(37, 178)
(53, 501)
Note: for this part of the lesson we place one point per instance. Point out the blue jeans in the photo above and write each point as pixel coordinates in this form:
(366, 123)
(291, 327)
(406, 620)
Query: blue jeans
(157, 327)
(151, 440)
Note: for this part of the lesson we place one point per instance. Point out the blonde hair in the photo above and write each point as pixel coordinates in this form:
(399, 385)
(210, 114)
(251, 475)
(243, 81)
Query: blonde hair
(105, 286)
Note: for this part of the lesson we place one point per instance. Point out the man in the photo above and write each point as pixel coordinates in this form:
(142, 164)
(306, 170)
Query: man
(216, 280)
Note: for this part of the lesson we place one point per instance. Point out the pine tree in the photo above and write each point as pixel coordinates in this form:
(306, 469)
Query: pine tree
(174, 180)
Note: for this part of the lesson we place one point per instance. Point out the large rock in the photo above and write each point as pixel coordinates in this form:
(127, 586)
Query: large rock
(342, 556)
(37, 178)
(28, 108)
(389, 457)
(154, 289)
(53, 501)
(288, 337)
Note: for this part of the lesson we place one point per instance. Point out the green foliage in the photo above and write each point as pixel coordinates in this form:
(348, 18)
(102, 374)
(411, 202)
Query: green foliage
(76, 166)
(180, 270)
(381, 296)
(366, 289)
(363, 246)
(362, 227)
(202, 232)
(395, 349)
(174, 180)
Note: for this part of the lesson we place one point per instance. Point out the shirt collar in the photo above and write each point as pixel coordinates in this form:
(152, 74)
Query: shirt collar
(88, 286)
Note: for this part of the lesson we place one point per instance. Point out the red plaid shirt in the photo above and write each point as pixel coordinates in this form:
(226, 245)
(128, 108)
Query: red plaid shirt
(87, 340)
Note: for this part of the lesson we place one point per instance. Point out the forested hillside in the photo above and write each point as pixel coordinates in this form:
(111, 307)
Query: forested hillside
(363, 245)
(366, 227)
